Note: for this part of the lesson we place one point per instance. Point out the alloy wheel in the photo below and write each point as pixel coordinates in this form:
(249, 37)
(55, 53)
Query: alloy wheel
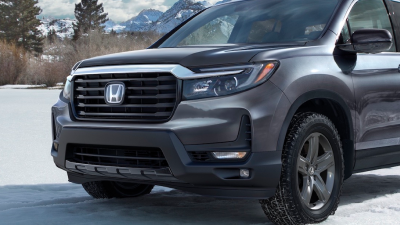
(316, 171)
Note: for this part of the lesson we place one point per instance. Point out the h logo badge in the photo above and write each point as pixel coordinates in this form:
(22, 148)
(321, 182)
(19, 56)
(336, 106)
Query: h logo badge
(114, 93)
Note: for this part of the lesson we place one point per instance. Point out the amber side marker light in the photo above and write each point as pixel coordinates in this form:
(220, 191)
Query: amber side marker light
(265, 71)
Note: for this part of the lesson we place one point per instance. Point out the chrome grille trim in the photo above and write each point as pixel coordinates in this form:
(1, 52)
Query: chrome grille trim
(178, 71)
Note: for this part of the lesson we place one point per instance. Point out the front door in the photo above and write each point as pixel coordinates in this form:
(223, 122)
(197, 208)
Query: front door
(376, 80)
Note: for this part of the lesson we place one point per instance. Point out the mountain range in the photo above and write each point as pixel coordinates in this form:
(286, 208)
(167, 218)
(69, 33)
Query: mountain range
(146, 20)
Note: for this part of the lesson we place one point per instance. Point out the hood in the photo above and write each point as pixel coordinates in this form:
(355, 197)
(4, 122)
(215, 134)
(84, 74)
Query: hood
(187, 57)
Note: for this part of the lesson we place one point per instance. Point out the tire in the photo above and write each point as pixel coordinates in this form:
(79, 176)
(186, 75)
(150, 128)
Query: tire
(111, 189)
(311, 184)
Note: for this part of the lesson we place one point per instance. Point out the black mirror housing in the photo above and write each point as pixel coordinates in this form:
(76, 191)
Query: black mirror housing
(369, 41)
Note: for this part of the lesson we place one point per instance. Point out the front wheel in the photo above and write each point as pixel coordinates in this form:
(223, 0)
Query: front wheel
(111, 189)
(312, 173)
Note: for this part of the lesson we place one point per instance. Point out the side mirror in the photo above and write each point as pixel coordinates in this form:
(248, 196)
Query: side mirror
(369, 41)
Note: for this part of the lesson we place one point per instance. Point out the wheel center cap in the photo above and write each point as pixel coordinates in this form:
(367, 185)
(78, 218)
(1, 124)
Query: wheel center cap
(311, 170)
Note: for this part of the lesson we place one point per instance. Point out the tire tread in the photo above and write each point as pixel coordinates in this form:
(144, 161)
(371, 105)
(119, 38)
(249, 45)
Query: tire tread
(281, 209)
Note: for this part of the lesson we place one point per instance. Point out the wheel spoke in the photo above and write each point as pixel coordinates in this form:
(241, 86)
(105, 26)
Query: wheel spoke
(307, 191)
(313, 148)
(321, 190)
(302, 165)
(325, 162)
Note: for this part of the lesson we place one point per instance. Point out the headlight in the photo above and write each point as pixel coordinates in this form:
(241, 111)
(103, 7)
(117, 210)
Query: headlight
(244, 78)
(67, 88)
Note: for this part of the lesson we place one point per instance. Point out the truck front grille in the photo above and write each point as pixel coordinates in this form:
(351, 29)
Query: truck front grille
(148, 97)
(132, 157)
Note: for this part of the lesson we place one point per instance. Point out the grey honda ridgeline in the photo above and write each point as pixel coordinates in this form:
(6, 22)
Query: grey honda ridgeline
(278, 100)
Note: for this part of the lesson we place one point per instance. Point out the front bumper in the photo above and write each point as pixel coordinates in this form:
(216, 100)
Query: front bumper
(195, 124)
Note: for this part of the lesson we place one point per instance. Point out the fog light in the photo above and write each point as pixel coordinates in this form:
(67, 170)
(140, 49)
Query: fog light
(244, 173)
(229, 155)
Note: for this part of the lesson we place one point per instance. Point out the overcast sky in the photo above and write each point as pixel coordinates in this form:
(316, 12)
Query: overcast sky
(118, 10)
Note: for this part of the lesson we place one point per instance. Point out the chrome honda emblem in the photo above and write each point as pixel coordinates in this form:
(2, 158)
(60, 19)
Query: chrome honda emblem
(114, 93)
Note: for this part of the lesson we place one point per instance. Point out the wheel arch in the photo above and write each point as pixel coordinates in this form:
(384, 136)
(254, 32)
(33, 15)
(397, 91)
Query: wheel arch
(340, 110)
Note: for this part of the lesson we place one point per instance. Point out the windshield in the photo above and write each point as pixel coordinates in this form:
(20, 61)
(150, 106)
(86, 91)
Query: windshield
(256, 22)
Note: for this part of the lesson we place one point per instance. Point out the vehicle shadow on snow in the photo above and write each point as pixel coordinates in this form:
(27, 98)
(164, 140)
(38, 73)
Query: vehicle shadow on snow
(32, 204)
(22, 202)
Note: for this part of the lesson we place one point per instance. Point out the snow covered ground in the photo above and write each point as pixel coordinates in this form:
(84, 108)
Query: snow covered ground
(34, 191)
(22, 86)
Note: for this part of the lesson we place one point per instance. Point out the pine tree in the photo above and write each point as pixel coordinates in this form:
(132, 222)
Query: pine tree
(90, 16)
(52, 36)
(18, 24)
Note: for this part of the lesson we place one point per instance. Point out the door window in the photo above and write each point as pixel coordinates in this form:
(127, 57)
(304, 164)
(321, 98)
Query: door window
(396, 16)
(370, 14)
(396, 9)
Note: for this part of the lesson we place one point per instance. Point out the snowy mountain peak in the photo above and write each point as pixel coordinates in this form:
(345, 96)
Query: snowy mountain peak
(140, 22)
(205, 3)
(179, 12)
(150, 14)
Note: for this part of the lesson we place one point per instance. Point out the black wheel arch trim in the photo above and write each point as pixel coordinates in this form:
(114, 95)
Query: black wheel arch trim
(323, 94)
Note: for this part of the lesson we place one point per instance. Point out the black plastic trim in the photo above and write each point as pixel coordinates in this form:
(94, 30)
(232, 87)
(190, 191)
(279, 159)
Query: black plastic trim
(321, 94)
(377, 158)
(265, 166)
(241, 144)
(221, 192)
